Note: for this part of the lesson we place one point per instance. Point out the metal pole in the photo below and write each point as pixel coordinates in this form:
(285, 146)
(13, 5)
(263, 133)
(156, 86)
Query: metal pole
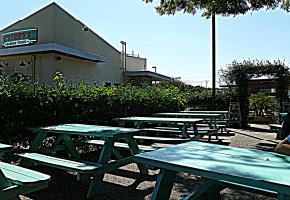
(125, 56)
(213, 59)
(33, 60)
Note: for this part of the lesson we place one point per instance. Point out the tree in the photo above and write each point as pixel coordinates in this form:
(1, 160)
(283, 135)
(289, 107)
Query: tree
(218, 7)
(210, 9)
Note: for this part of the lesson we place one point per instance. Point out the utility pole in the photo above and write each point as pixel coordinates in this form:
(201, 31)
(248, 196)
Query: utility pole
(213, 59)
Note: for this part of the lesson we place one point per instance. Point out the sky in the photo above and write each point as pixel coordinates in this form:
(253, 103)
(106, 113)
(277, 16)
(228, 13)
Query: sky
(178, 45)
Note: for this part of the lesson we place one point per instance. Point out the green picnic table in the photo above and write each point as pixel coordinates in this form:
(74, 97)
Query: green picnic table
(185, 122)
(64, 138)
(209, 118)
(219, 166)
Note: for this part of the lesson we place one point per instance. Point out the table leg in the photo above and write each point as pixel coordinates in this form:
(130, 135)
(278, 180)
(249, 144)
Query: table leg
(164, 184)
(137, 124)
(106, 151)
(57, 141)
(135, 150)
(283, 197)
(212, 119)
(103, 159)
(207, 191)
(38, 141)
(215, 122)
(184, 130)
(121, 123)
(71, 147)
(3, 181)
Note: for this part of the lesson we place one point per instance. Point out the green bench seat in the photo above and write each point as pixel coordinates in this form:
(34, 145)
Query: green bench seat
(16, 180)
(162, 139)
(85, 170)
(277, 127)
(61, 163)
(5, 148)
(194, 136)
(120, 145)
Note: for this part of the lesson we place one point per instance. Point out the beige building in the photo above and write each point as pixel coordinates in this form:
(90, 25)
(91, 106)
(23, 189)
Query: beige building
(51, 40)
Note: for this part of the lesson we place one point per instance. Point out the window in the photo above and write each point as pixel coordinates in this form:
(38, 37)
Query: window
(265, 90)
(108, 84)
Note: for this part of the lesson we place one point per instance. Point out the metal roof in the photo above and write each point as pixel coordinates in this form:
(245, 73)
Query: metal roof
(51, 47)
(154, 76)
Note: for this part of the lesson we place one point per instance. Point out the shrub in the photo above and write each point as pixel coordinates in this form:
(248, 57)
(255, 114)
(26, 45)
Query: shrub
(261, 105)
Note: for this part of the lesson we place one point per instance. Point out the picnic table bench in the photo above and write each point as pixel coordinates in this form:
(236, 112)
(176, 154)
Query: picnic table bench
(15, 180)
(191, 134)
(219, 166)
(278, 127)
(5, 148)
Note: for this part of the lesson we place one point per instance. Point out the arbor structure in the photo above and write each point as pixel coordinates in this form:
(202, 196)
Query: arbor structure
(211, 8)
(240, 73)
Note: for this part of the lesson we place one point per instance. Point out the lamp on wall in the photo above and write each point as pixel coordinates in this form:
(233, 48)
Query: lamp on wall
(22, 64)
(4, 63)
(85, 28)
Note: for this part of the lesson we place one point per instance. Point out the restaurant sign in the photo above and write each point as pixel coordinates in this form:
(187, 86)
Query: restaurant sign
(19, 37)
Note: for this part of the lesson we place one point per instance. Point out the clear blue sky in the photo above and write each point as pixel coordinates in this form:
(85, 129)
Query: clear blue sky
(179, 45)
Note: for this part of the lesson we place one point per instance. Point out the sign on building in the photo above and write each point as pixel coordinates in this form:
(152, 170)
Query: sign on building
(19, 37)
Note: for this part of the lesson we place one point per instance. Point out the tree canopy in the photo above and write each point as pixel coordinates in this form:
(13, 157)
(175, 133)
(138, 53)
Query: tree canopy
(218, 7)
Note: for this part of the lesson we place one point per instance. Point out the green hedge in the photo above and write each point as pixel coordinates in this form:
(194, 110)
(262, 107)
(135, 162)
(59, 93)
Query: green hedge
(203, 100)
(39, 105)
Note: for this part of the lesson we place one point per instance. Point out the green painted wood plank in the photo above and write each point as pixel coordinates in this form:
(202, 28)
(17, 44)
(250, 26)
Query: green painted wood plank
(205, 111)
(22, 176)
(196, 115)
(161, 139)
(120, 145)
(61, 163)
(5, 148)
(158, 119)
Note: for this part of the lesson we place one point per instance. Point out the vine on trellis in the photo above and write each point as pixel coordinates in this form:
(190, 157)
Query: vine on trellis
(240, 73)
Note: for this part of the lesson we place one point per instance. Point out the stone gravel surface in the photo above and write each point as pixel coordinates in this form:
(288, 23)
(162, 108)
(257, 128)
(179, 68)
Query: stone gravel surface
(126, 183)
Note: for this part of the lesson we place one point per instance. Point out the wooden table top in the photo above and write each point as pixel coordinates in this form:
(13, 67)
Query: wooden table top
(85, 129)
(254, 168)
(159, 119)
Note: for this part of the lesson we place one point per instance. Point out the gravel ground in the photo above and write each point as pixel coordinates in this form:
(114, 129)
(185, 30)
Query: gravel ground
(126, 183)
